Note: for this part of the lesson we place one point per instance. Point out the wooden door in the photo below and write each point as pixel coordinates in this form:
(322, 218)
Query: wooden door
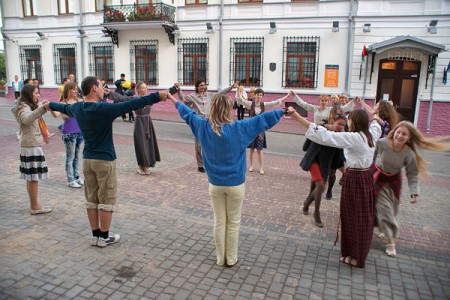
(398, 81)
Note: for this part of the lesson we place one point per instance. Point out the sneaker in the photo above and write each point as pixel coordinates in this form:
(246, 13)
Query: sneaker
(51, 134)
(80, 181)
(74, 184)
(93, 241)
(112, 238)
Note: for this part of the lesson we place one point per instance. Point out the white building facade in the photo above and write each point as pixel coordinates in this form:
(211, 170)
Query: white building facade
(312, 47)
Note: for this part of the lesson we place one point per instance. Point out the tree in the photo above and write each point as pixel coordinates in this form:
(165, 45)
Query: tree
(2, 66)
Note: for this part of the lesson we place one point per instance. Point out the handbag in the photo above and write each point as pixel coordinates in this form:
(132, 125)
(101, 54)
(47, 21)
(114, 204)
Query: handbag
(235, 104)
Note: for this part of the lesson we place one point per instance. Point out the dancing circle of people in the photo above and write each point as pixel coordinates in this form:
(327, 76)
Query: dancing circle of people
(370, 153)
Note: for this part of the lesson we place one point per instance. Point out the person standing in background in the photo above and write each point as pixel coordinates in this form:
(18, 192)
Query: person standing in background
(16, 86)
(200, 101)
(61, 87)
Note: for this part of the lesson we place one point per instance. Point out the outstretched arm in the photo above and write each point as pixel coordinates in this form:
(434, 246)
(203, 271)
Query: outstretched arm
(296, 116)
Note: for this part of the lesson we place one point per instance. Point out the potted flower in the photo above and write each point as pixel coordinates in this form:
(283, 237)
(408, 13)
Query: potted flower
(144, 13)
(114, 15)
(3, 87)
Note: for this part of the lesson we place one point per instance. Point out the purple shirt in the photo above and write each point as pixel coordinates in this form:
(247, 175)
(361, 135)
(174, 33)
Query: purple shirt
(70, 126)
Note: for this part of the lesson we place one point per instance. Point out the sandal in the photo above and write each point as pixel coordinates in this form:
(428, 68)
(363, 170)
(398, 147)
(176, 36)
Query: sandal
(141, 172)
(44, 210)
(250, 169)
(261, 172)
(391, 253)
(348, 261)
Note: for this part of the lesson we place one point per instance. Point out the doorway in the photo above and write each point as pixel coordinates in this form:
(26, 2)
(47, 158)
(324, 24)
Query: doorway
(398, 81)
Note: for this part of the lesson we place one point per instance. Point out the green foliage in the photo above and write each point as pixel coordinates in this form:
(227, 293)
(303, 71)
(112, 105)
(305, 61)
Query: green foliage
(2, 65)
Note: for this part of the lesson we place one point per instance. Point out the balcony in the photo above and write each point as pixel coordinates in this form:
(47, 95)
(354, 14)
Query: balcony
(114, 15)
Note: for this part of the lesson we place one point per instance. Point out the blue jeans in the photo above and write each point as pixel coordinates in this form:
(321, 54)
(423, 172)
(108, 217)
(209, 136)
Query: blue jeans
(72, 142)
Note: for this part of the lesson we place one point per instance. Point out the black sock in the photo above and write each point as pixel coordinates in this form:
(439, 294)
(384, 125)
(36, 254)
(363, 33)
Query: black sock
(96, 233)
(104, 234)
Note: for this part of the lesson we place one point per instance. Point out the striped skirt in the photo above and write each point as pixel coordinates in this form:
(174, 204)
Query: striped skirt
(33, 166)
(357, 214)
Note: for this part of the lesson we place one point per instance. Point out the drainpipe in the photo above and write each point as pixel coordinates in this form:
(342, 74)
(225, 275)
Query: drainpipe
(219, 86)
(351, 25)
(82, 52)
(431, 96)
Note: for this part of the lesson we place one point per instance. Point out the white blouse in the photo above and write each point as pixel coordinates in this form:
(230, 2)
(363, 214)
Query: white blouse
(320, 115)
(356, 150)
(248, 104)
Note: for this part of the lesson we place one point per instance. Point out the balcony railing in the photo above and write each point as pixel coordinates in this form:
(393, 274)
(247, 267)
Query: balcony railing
(139, 13)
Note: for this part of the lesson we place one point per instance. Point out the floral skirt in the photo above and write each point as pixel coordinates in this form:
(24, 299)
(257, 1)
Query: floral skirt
(33, 166)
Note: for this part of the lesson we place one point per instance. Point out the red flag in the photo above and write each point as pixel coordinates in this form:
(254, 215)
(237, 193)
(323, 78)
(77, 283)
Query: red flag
(364, 53)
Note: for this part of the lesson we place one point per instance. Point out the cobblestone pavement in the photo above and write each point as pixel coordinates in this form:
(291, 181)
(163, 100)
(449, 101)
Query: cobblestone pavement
(167, 249)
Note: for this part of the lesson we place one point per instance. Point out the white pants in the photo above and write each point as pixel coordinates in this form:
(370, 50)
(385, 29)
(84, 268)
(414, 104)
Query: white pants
(227, 206)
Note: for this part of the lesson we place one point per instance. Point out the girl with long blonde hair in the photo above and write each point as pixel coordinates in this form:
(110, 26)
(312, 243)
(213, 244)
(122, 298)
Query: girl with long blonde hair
(400, 149)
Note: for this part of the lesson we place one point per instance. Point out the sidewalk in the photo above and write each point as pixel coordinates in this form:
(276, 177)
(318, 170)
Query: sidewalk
(167, 248)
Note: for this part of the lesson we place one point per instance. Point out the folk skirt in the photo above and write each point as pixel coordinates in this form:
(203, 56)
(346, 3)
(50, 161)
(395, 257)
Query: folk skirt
(357, 214)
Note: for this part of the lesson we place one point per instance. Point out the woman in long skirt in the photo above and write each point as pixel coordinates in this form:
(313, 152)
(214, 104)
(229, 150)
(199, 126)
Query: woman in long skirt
(357, 197)
(145, 142)
(398, 150)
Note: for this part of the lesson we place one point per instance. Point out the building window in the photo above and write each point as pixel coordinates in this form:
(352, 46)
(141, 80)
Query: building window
(192, 60)
(144, 61)
(249, 1)
(64, 61)
(246, 61)
(27, 6)
(100, 4)
(101, 61)
(301, 61)
(65, 7)
(196, 2)
(31, 63)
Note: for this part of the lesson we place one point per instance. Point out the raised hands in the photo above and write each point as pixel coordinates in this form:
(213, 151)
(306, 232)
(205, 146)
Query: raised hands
(163, 95)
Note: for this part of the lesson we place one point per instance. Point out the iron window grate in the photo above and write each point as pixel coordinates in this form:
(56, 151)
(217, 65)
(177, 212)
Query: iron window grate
(193, 60)
(144, 61)
(246, 64)
(64, 61)
(300, 62)
(101, 60)
(31, 62)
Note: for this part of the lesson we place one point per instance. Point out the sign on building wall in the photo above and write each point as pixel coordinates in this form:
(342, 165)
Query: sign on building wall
(331, 76)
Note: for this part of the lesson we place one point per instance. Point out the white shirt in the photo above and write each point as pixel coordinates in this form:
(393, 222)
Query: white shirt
(320, 115)
(356, 150)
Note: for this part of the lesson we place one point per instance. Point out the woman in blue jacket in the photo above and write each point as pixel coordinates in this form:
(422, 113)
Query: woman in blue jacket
(224, 143)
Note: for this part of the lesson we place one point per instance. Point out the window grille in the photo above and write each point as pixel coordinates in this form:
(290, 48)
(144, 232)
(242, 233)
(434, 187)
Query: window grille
(144, 61)
(246, 61)
(64, 61)
(101, 60)
(193, 60)
(300, 62)
(31, 62)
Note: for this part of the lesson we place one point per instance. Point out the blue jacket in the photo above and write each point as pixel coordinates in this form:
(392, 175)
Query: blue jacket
(95, 121)
(20, 86)
(224, 157)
